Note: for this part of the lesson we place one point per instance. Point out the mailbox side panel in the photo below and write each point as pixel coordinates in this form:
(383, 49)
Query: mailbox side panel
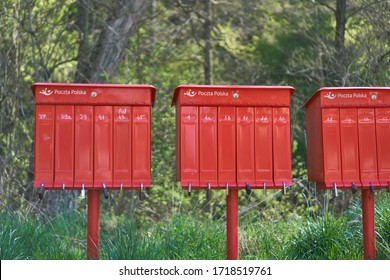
(263, 146)
(122, 146)
(83, 152)
(103, 146)
(44, 146)
(245, 146)
(189, 146)
(382, 138)
(64, 147)
(208, 146)
(141, 146)
(367, 147)
(227, 146)
(349, 147)
(282, 146)
(331, 147)
(315, 163)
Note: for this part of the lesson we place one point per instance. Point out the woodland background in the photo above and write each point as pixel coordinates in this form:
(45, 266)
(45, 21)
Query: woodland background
(306, 44)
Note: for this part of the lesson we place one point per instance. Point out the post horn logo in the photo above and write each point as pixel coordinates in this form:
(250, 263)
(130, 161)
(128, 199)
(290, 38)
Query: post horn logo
(190, 93)
(330, 95)
(46, 92)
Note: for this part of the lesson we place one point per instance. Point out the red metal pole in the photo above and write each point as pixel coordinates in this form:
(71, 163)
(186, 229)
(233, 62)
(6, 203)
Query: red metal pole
(368, 225)
(93, 234)
(232, 224)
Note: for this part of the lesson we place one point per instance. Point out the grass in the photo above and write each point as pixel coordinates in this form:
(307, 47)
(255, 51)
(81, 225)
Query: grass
(187, 237)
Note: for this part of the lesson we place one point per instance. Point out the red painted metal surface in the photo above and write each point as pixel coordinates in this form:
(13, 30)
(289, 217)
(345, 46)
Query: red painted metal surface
(103, 173)
(83, 153)
(93, 230)
(282, 146)
(367, 147)
(227, 147)
(189, 139)
(86, 135)
(383, 146)
(368, 224)
(208, 169)
(331, 147)
(64, 147)
(141, 146)
(122, 146)
(44, 146)
(232, 244)
(93, 94)
(348, 146)
(234, 125)
(349, 142)
(245, 146)
(264, 147)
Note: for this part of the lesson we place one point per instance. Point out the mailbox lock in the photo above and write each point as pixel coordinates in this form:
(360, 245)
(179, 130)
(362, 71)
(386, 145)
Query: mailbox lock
(93, 93)
(235, 95)
(374, 97)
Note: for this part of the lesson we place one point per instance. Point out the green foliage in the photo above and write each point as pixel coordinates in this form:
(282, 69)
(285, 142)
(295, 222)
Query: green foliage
(327, 238)
(189, 236)
(59, 239)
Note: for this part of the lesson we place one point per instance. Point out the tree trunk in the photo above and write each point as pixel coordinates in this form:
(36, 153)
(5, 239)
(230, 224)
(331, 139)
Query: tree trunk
(99, 64)
(341, 20)
(208, 51)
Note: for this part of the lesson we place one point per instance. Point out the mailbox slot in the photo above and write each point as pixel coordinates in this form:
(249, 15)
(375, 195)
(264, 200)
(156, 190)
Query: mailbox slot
(383, 146)
(208, 169)
(44, 146)
(83, 153)
(141, 147)
(264, 146)
(122, 147)
(226, 147)
(64, 147)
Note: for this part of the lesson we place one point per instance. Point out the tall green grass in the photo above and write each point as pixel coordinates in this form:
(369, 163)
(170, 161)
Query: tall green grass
(27, 238)
(189, 237)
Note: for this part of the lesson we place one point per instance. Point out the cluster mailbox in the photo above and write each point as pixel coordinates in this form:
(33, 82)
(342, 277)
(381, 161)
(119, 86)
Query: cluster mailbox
(92, 135)
(348, 132)
(233, 136)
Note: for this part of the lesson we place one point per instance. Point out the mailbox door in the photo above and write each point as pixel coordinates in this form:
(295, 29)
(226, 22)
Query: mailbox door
(208, 146)
(282, 146)
(189, 141)
(367, 147)
(83, 153)
(103, 146)
(331, 147)
(245, 146)
(141, 146)
(122, 146)
(64, 147)
(349, 147)
(382, 138)
(227, 146)
(44, 145)
(263, 147)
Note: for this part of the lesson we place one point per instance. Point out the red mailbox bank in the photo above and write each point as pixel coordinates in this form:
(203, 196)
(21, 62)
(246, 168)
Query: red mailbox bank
(348, 130)
(233, 136)
(347, 133)
(92, 136)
